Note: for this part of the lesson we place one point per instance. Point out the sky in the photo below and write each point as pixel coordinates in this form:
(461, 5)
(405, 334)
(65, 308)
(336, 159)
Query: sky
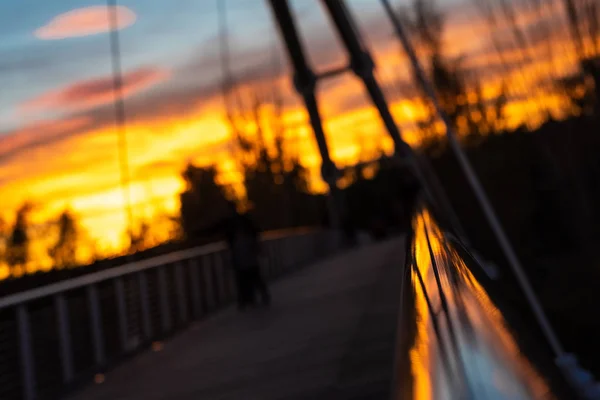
(58, 142)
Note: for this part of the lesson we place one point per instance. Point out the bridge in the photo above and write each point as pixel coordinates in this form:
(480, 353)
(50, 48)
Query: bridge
(409, 317)
(403, 318)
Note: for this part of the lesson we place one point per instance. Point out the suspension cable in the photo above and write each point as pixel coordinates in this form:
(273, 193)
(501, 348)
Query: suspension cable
(120, 118)
(224, 53)
(480, 194)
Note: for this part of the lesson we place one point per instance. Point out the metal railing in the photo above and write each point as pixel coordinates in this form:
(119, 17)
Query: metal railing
(56, 336)
(461, 344)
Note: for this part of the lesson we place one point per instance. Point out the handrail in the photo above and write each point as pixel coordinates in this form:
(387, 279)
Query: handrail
(100, 276)
(131, 267)
(474, 334)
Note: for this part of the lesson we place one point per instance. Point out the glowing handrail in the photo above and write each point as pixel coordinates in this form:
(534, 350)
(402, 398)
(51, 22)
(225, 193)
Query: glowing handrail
(462, 346)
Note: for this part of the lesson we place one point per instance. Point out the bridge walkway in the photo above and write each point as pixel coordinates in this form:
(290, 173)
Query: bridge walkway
(330, 333)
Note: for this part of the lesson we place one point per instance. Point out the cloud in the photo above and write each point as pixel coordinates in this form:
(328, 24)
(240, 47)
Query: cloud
(37, 134)
(39, 131)
(93, 92)
(83, 22)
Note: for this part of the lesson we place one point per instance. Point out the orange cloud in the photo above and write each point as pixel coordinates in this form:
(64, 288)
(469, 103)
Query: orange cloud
(83, 22)
(96, 91)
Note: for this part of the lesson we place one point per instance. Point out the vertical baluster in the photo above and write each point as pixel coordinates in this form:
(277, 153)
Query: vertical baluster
(96, 325)
(300, 252)
(277, 253)
(266, 259)
(64, 337)
(229, 276)
(27, 361)
(294, 252)
(271, 257)
(122, 312)
(306, 249)
(181, 295)
(163, 294)
(284, 254)
(300, 239)
(214, 271)
(220, 278)
(145, 306)
(195, 287)
(209, 289)
(290, 252)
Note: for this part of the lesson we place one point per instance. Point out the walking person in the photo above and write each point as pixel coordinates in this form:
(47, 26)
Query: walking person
(243, 240)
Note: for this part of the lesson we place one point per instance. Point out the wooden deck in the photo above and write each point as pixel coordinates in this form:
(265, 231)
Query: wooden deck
(329, 334)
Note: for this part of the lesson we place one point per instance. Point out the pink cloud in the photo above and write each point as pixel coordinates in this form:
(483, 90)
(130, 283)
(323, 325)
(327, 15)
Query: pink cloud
(39, 133)
(93, 92)
(83, 22)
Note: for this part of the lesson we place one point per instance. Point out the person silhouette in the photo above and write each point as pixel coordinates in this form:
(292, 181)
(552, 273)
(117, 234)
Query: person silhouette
(243, 240)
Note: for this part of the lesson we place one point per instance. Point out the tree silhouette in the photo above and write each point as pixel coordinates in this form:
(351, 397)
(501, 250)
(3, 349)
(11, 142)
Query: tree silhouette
(17, 247)
(459, 92)
(274, 180)
(139, 238)
(426, 26)
(574, 19)
(64, 252)
(203, 202)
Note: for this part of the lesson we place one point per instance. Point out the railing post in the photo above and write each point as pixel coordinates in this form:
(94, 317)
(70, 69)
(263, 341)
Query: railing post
(296, 252)
(220, 278)
(276, 257)
(300, 250)
(96, 324)
(181, 297)
(291, 253)
(229, 276)
(27, 361)
(318, 244)
(165, 311)
(122, 312)
(268, 259)
(195, 288)
(209, 289)
(64, 337)
(281, 256)
(285, 246)
(146, 326)
(272, 259)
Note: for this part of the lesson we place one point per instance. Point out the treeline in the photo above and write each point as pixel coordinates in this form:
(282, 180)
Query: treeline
(276, 195)
(16, 240)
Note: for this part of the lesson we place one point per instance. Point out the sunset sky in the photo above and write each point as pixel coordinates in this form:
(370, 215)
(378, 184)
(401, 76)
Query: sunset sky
(58, 145)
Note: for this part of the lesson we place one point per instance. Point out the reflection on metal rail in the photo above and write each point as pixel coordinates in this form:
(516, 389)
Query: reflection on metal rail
(462, 347)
